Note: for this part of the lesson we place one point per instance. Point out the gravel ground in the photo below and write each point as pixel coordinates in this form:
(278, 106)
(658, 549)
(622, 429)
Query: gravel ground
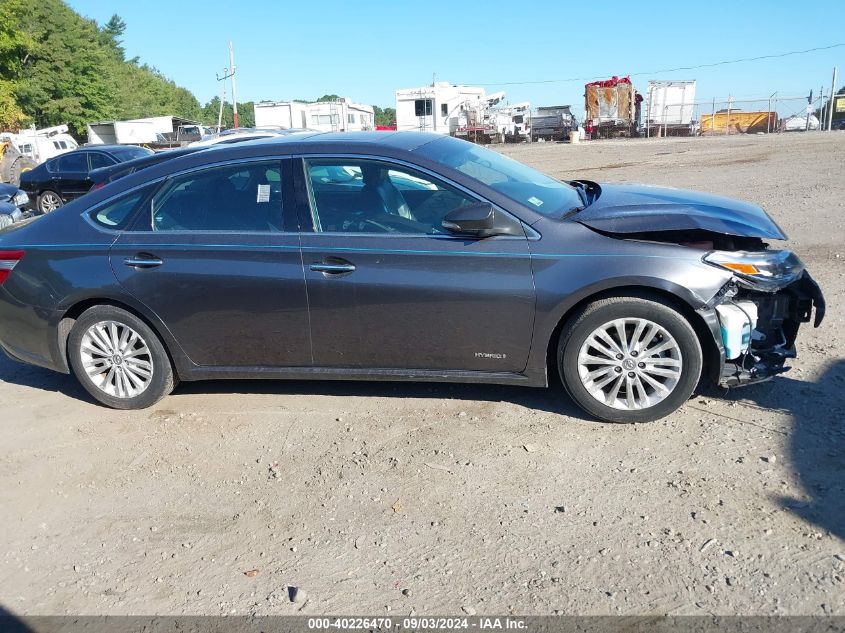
(377, 498)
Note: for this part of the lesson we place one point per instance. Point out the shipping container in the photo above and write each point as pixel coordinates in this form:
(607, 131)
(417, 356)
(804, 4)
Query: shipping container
(738, 122)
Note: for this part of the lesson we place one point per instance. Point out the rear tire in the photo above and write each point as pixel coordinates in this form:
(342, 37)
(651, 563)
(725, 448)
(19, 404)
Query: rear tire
(118, 359)
(643, 377)
(49, 201)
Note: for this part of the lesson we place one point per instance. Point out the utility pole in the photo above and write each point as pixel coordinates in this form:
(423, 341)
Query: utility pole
(832, 102)
(226, 74)
(234, 88)
(821, 109)
(809, 109)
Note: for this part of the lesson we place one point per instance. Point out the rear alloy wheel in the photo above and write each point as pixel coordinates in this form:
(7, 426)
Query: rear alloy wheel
(49, 201)
(119, 359)
(629, 359)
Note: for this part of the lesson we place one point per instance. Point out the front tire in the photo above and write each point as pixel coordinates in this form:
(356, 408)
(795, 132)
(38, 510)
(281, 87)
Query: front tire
(629, 359)
(49, 201)
(118, 359)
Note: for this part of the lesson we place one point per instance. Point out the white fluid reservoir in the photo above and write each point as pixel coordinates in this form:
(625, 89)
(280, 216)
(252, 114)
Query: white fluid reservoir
(737, 319)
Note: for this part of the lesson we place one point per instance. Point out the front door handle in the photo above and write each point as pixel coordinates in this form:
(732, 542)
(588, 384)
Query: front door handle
(335, 267)
(143, 260)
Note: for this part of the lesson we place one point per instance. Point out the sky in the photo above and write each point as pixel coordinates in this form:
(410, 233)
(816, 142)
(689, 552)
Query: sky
(367, 49)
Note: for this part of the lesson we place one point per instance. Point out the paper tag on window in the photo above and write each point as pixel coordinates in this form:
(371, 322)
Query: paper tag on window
(535, 201)
(263, 193)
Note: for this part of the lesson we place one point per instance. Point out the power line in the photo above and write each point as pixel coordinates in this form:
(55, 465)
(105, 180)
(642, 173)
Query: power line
(665, 70)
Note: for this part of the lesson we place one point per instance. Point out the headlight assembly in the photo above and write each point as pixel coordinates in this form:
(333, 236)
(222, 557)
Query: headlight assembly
(20, 199)
(763, 270)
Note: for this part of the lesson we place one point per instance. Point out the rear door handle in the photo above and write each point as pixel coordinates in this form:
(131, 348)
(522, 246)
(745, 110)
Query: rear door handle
(143, 261)
(333, 268)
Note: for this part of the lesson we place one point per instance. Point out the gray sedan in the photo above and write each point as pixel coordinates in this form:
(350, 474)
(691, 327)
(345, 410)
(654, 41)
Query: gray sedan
(401, 256)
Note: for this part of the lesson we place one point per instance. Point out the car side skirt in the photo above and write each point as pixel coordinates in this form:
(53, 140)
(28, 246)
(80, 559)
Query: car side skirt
(345, 373)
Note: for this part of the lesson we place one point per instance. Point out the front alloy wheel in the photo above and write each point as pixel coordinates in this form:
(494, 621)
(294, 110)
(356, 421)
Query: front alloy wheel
(629, 359)
(630, 364)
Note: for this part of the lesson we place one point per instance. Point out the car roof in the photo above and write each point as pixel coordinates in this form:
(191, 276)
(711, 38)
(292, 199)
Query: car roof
(102, 147)
(150, 159)
(387, 144)
(356, 140)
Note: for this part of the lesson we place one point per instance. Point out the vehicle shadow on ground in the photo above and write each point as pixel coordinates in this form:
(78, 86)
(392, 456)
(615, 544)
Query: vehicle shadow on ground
(10, 623)
(552, 400)
(816, 441)
(16, 373)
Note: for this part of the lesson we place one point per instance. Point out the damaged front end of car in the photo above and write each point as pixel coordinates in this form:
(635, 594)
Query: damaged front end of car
(756, 315)
(761, 310)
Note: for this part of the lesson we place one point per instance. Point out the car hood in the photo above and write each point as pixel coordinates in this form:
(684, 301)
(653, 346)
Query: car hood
(641, 208)
(7, 192)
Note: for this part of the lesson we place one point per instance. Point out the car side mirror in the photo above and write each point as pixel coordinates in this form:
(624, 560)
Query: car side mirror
(478, 220)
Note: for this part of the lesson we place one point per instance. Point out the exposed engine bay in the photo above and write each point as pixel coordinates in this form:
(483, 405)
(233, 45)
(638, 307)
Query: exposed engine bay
(768, 332)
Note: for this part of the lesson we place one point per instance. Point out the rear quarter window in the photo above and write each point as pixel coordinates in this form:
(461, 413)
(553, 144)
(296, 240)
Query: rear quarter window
(117, 213)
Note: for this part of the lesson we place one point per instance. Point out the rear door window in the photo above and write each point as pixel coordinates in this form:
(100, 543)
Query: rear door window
(246, 197)
(99, 160)
(76, 162)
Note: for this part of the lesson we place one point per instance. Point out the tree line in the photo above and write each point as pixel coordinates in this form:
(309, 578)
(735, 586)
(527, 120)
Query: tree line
(59, 67)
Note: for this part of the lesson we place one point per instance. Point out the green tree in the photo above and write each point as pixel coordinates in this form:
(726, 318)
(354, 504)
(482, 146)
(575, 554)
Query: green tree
(58, 67)
(67, 75)
(384, 116)
(112, 34)
(11, 116)
(246, 113)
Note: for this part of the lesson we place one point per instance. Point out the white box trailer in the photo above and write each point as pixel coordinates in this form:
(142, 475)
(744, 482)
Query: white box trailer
(670, 107)
(152, 130)
(286, 114)
(434, 108)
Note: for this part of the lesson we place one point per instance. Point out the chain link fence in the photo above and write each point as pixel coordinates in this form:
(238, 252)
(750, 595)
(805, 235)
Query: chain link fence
(772, 114)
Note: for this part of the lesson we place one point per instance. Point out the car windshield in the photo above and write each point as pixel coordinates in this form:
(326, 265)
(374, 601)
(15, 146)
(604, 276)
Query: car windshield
(511, 178)
(129, 152)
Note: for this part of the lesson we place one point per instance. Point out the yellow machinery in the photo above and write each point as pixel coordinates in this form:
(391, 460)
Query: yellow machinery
(13, 163)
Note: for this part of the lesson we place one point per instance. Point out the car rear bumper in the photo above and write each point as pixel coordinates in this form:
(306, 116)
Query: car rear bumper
(30, 335)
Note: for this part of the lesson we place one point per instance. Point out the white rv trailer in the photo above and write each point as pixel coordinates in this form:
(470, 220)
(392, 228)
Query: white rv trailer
(670, 107)
(342, 115)
(434, 108)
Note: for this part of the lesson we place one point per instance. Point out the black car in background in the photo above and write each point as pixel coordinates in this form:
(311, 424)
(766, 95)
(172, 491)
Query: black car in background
(68, 176)
(104, 175)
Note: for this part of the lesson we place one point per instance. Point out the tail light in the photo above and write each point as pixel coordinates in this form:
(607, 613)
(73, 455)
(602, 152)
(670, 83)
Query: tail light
(8, 261)
(98, 185)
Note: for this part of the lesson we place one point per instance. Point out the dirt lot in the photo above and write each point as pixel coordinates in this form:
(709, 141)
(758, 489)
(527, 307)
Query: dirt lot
(382, 497)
